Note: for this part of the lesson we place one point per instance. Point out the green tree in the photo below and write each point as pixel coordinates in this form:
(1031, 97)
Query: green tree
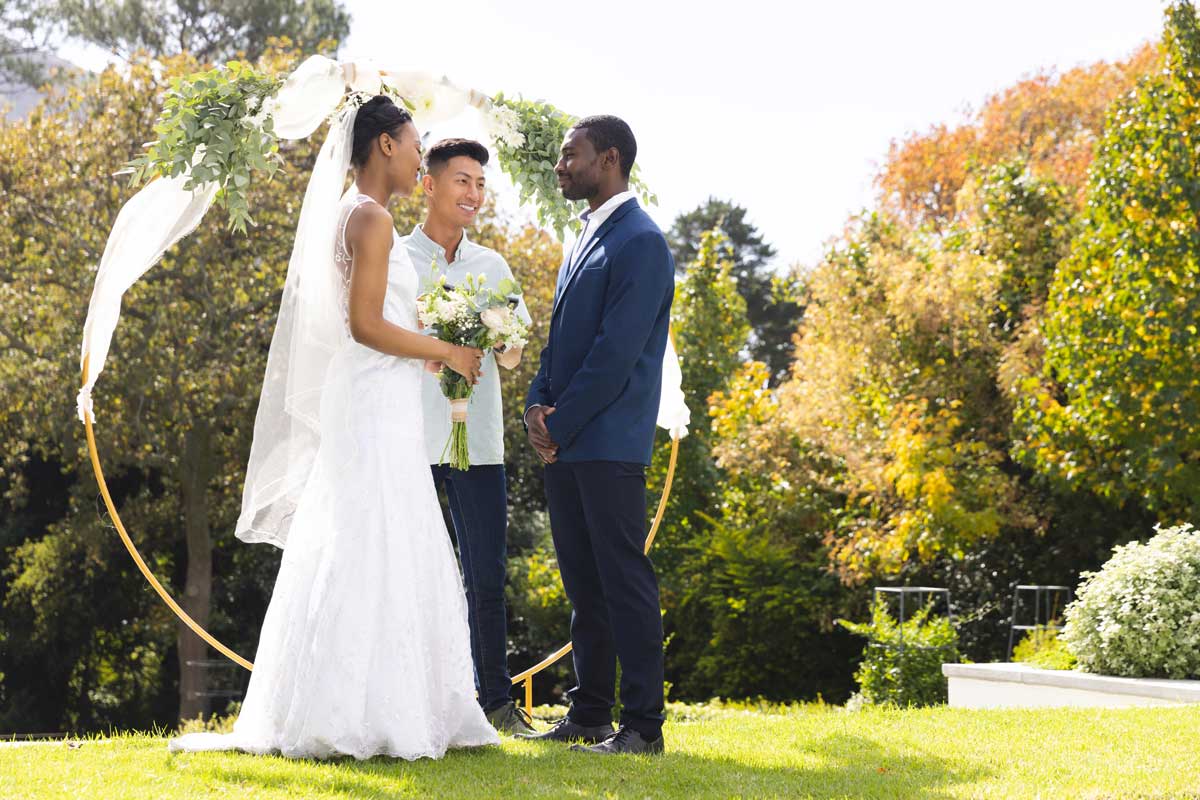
(26, 37)
(1024, 223)
(773, 306)
(894, 388)
(1116, 408)
(756, 598)
(710, 330)
(211, 31)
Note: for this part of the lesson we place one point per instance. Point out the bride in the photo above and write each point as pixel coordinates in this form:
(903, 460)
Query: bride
(365, 648)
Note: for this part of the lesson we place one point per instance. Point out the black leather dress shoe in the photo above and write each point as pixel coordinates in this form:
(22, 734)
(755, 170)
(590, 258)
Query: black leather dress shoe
(626, 741)
(511, 719)
(567, 731)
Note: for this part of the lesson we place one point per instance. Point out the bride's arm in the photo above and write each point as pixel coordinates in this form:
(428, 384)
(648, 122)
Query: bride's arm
(369, 238)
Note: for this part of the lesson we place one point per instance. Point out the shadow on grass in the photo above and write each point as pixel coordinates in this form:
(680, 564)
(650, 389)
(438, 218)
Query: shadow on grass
(835, 765)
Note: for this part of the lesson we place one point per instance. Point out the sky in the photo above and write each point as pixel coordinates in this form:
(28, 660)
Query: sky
(786, 108)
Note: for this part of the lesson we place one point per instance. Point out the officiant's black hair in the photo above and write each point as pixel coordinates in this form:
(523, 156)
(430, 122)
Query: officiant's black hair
(440, 154)
(605, 131)
(377, 115)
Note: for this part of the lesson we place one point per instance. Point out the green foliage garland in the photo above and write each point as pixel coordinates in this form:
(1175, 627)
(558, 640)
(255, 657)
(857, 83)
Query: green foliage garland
(215, 123)
(218, 123)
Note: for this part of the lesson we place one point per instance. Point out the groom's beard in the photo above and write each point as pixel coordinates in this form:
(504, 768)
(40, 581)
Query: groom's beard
(573, 190)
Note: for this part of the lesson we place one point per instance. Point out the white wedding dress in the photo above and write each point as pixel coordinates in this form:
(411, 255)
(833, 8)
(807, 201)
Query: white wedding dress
(365, 648)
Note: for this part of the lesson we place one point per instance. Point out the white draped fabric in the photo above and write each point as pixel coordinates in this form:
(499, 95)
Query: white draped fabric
(307, 98)
(673, 413)
(154, 219)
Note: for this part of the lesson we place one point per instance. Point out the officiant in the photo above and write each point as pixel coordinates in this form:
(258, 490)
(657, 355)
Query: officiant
(454, 184)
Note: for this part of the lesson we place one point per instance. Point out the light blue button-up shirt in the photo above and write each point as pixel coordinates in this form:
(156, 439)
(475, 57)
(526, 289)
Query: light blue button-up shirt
(485, 418)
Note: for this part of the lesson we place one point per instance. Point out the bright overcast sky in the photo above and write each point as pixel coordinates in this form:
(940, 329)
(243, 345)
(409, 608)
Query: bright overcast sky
(784, 107)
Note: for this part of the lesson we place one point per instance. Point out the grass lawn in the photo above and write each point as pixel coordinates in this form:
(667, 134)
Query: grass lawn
(713, 751)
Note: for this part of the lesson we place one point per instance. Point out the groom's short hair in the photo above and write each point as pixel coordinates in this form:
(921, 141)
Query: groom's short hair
(439, 155)
(605, 131)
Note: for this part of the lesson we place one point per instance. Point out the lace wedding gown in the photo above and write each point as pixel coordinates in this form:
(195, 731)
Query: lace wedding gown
(365, 648)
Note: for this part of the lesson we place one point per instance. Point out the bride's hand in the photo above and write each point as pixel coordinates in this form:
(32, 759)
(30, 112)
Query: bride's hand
(465, 361)
(434, 366)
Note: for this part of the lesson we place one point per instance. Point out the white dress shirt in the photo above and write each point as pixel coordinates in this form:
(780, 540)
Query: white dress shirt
(592, 220)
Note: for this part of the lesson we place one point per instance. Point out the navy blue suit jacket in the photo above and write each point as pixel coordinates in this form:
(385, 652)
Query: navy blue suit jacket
(601, 367)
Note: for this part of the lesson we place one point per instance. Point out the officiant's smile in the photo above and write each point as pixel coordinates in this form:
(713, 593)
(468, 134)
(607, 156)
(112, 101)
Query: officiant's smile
(455, 190)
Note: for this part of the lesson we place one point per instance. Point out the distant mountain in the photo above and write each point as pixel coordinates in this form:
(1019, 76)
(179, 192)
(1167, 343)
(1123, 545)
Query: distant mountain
(23, 98)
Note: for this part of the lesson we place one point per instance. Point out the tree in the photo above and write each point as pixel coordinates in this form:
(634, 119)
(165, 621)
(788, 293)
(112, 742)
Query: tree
(1116, 406)
(894, 382)
(1051, 121)
(1023, 223)
(710, 330)
(756, 600)
(917, 324)
(211, 31)
(772, 306)
(25, 40)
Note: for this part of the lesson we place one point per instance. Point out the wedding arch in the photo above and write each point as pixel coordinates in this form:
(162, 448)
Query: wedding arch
(220, 129)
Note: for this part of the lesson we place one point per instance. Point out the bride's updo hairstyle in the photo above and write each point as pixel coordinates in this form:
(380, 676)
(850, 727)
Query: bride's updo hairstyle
(377, 115)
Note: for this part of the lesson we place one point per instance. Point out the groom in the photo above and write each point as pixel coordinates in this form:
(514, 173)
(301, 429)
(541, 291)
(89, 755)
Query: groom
(454, 185)
(590, 414)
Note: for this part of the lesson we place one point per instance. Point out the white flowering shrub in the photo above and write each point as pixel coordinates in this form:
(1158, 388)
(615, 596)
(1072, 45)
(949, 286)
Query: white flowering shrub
(1139, 616)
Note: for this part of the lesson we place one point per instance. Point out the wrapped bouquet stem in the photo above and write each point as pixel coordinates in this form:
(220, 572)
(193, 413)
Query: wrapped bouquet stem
(458, 392)
(469, 315)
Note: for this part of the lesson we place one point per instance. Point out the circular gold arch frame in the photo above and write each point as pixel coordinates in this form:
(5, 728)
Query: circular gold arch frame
(317, 85)
(525, 677)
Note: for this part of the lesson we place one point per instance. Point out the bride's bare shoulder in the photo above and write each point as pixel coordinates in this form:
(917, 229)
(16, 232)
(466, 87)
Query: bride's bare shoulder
(370, 225)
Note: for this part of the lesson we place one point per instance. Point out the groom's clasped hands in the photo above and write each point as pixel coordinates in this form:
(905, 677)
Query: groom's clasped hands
(539, 435)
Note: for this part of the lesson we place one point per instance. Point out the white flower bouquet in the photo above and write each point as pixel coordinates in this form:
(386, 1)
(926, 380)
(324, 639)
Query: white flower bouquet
(469, 315)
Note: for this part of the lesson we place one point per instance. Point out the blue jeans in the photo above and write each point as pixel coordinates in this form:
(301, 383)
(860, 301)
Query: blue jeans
(479, 508)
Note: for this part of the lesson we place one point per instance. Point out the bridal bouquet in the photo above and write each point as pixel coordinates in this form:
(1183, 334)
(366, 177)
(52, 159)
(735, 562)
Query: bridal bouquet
(469, 315)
